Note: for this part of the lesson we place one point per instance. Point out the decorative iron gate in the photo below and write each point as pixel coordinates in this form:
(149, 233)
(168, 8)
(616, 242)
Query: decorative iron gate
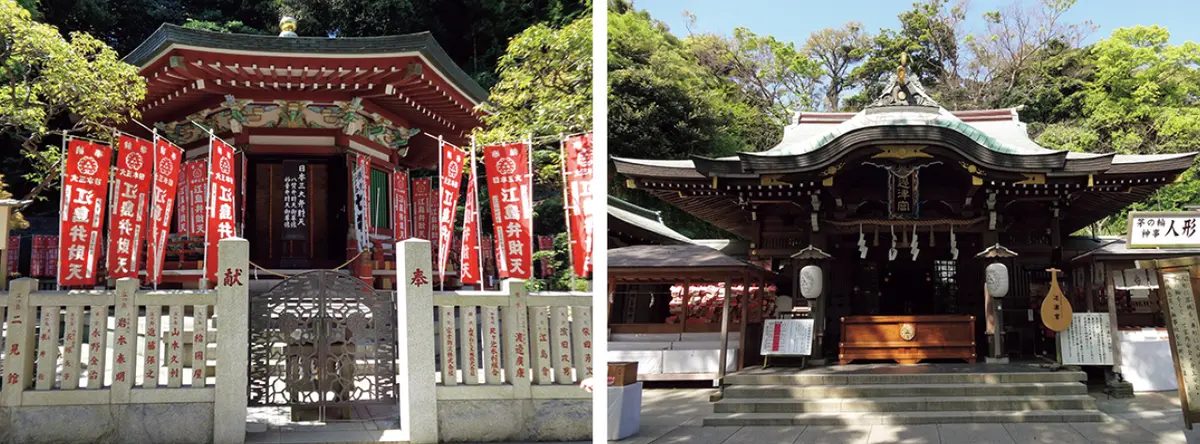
(322, 339)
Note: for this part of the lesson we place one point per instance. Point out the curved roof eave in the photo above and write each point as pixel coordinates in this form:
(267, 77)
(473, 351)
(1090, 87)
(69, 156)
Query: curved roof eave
(169, 35)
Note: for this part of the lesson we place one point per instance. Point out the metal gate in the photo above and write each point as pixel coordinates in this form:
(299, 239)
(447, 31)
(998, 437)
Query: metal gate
(322, 340)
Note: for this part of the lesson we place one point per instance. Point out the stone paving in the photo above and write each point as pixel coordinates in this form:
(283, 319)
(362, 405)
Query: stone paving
(673, 416)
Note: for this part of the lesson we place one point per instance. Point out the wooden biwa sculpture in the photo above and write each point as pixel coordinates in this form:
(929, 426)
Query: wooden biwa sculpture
(1056, 309)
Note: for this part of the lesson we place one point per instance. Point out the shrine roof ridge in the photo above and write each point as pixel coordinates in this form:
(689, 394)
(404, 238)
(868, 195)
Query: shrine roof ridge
(169, 35)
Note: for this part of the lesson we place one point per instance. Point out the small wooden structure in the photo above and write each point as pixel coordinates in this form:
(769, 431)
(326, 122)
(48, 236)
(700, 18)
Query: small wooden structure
(686, 264)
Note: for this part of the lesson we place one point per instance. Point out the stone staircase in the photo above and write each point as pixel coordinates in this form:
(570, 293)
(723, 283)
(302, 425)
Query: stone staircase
(908, 395)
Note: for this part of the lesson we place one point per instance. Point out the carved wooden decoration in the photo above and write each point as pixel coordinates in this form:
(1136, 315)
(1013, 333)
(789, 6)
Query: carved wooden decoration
(1056, 309)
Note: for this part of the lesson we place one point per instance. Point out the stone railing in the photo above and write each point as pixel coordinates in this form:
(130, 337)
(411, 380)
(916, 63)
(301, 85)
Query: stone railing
(512, 357)
(126, 365)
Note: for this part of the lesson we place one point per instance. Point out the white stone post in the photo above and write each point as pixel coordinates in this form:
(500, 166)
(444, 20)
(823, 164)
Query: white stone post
(414, 321)
(516, 327)
(124, 340)
(18, 366)
(233, 310)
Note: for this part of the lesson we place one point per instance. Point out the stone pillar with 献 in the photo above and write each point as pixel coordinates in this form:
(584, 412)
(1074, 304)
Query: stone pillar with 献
(233, 315)
(415, 357)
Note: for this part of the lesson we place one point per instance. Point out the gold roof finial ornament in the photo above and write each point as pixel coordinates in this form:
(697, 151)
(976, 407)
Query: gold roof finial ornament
(287, 27)
(903, 67)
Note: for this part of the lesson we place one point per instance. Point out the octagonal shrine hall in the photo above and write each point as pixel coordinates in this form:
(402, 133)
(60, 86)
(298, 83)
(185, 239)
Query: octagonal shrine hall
(303, 105)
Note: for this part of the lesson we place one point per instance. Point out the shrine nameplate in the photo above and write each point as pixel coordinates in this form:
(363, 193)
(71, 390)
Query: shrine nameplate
(907, 339)
(1163, 229)
(787, 337)
(295, 200)
(1088, 341)
(1179, 303)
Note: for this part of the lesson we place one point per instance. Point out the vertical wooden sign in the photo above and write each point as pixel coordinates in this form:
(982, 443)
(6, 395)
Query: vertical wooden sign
(1179, 300)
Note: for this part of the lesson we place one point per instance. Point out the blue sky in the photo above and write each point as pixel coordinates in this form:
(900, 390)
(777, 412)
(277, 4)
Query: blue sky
(794, 20)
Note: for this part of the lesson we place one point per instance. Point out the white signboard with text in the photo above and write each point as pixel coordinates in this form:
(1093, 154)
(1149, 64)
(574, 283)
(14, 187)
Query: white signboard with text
(787, 337)
(1088, 341)
(1164, 229)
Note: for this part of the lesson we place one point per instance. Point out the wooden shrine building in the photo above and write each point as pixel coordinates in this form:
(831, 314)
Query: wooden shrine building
(903, 195)
(312, 99)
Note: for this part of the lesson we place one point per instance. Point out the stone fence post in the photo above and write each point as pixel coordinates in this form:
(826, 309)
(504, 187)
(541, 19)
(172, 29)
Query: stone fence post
(414, 322)
(18, 364)
(516, 325)
(233, 312)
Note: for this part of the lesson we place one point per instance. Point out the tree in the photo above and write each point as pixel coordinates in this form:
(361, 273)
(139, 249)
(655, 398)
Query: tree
(50, 84)
(769, 72)
(929, 35)
(544, 91)
(1016, 37)
(837, 50)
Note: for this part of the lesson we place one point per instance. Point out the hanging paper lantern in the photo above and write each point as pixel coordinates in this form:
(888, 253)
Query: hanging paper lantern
(997, 280)
(810, 281)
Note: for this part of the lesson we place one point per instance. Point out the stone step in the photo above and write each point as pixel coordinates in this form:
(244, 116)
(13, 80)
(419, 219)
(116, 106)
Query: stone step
(810, 379)
(884, 390)
(855, 418)
(908, 404)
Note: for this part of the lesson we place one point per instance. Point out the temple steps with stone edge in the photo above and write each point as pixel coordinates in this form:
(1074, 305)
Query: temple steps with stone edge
(907, 396)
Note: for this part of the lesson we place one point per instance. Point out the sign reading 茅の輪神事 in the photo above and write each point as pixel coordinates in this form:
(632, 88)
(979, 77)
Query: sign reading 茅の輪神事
(792, 337)
(1159, 229)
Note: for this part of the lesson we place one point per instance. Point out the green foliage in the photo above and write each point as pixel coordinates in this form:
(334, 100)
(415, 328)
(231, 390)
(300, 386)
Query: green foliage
(929, 35)
(231, 26)
(47, 78)
(475, 33)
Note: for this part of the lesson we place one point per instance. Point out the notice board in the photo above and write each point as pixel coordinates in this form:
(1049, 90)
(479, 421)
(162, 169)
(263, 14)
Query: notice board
(786, 337)
(1088, 341)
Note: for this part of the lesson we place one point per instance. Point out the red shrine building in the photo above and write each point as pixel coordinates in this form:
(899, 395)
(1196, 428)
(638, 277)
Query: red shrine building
(303, 108)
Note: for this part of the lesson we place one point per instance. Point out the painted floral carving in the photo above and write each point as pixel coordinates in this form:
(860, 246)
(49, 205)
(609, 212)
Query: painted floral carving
(706, 303)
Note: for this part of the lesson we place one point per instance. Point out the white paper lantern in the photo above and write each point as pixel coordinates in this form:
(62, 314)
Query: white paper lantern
(997, 280)
(810, 282)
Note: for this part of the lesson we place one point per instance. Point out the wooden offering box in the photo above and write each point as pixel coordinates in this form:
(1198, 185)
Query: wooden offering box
(907, 339)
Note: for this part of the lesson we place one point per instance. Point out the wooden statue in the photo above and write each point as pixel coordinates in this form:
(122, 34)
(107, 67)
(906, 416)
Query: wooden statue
(1056, 309)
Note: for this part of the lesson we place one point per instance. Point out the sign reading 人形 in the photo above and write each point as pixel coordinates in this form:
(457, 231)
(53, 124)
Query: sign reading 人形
(1163, 229)
(578, 164)
(131, 183)
(295, 200)
(84, 188)
(1088, 341)
(220, 223)
(166, 184)
(450, 182)
(787, 337)
(400, 205)
(509, 189)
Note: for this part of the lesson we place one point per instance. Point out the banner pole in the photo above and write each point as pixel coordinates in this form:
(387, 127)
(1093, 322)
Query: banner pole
(152, 253)
(562, 160)
(529, 209)
(438, 232)
(478, 220)
(208, 207)
(62, 212)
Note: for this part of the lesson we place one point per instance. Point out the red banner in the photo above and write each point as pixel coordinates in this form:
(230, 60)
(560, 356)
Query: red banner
(41, 263)
(362, 201)
(451, 181)
(127, 218)
(489, 255)
(422, 190)
(220, 206)
(85, 186)
(469, 268)
(14, 254)
(546, 243)
(510, 191)
(400, 205)
(183, 200)
(166, 185)
(432, 228)
(197, 182)
(578, 180)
